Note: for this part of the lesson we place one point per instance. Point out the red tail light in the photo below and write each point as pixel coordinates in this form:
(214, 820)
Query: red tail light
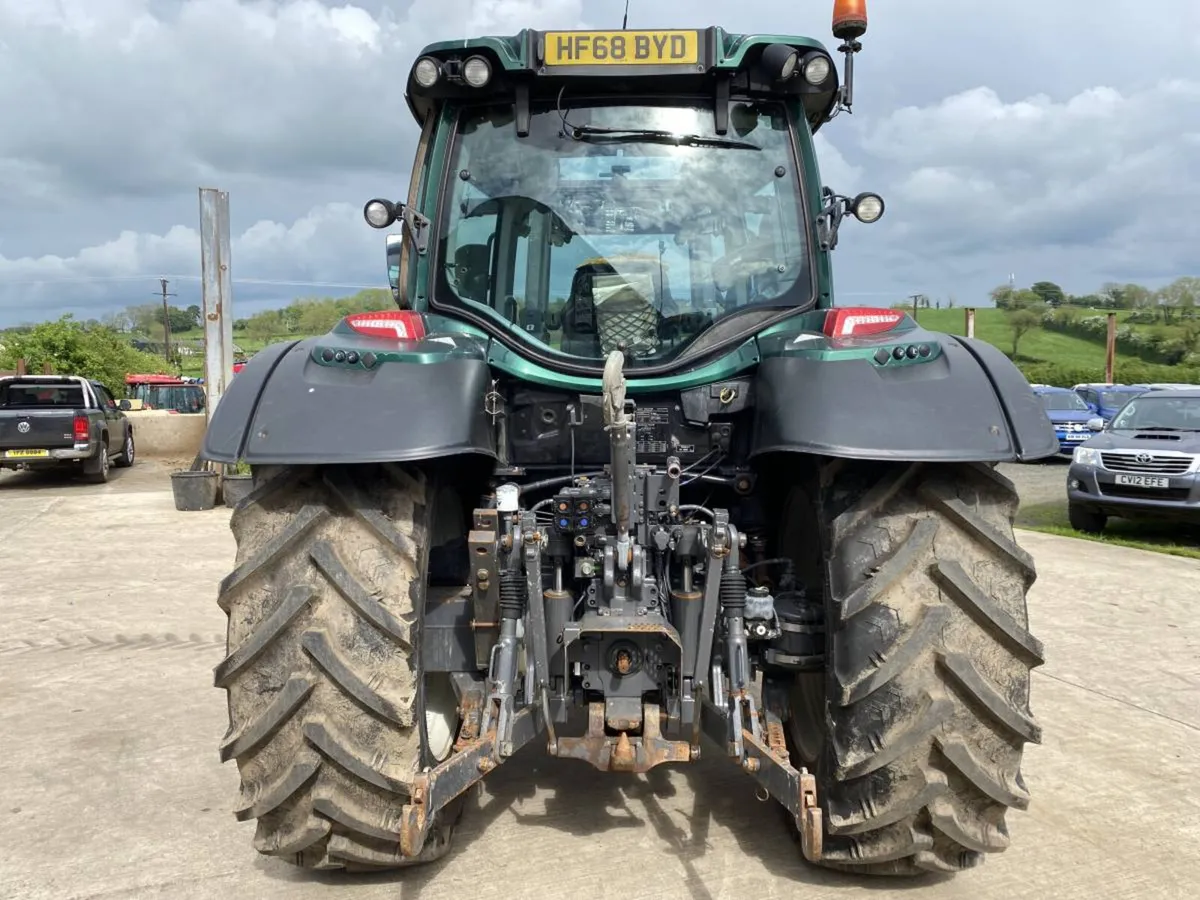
(855, 321)
(83, 430)
(401, 324)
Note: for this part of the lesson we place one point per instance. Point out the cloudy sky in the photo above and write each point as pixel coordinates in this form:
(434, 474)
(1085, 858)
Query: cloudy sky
(1055, 140)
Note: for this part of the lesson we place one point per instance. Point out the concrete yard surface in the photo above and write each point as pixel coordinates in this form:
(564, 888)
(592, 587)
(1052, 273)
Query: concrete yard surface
(111, 786)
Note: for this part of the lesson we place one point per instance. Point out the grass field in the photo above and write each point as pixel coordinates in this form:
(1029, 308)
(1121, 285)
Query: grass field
(1037, 344)
(1164, 537)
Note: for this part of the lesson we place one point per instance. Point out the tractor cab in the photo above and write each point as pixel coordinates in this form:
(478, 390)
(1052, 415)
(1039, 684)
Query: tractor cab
(165, 392)
(655, 192)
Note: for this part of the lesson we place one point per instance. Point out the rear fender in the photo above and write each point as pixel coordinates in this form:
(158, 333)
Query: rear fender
(964, 401)
(289, 406)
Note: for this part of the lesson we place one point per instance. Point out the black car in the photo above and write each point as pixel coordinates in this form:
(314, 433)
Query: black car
(62, 422)
(1145, 464)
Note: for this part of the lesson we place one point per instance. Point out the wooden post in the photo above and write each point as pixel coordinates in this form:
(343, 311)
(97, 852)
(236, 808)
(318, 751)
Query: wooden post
(1110, 351)
(21, 370)
(47, 369)
(970, 314)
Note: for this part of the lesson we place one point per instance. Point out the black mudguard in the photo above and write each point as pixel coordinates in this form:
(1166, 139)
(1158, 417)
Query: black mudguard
(286, 408)
(970, 403)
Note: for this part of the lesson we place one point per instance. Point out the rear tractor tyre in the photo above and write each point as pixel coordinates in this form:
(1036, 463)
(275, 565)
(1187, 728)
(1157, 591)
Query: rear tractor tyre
(915, 730)
(330, 713)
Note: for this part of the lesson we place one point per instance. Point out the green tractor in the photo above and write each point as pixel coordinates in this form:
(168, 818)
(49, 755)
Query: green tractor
(617, 477)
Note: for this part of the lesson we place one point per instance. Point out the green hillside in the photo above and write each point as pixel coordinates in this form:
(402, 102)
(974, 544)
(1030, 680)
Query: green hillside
(1037, 345)
(1050, 357)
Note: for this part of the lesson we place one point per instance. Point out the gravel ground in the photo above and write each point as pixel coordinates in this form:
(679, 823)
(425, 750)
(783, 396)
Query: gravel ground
(1040, 482)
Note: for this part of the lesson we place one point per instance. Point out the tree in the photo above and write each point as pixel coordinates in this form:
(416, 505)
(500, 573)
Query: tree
(266, 325)
(1024, 298)
(195, 315)
(1052, 295)
(1179, 297)
(1001, 296)
(318, 316)
(1021, 321)
(118, 321)
(71, 349)
(144, 317)
(180, 319)
(1127, 296)
(1023, 312)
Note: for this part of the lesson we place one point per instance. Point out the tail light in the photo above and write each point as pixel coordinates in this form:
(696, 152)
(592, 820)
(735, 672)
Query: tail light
(856, 321)
(83, 430)
(402, 324)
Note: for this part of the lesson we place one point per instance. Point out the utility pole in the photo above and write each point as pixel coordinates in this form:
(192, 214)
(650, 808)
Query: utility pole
(217, 293)
(916, 299)
(163, 282)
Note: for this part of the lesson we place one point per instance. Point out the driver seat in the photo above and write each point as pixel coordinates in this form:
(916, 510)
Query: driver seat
(598, 317)
(470, 273)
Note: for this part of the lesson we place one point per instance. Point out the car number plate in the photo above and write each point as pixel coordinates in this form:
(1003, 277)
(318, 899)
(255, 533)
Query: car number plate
(1153, 481)
(1077, 436)
(622, 48)
(25, 454)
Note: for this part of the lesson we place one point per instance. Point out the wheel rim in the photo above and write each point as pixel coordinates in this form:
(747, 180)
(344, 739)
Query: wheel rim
(104, 459)
(439, 699)
(129, 449)
(806, 724)
(441, 716)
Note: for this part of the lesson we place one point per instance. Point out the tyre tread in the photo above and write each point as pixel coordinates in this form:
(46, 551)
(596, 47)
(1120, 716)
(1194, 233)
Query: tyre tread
(929, 664)
(320, 669)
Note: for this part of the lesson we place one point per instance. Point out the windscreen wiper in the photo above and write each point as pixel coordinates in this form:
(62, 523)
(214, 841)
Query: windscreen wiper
(627, 135)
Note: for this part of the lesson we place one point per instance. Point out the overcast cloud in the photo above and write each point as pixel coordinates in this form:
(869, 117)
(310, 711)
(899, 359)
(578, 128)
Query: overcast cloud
(1052, 140)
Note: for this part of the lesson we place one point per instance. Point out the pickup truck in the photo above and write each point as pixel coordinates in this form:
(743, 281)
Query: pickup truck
(62, 422)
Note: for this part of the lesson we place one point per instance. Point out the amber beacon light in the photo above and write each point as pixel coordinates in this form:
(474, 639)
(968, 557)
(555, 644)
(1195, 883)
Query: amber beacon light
(849, 19)
(849, 24)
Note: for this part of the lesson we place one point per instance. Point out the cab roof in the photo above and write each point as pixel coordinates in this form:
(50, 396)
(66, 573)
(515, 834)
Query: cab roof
(529, 61)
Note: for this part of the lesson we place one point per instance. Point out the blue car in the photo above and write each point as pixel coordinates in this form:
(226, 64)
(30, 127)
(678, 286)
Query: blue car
(1068, 414)
(1106, 400)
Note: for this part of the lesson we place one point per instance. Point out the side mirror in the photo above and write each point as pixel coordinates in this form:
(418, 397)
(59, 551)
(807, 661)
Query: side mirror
(1096, 424)
(126, 405)
(394, 243)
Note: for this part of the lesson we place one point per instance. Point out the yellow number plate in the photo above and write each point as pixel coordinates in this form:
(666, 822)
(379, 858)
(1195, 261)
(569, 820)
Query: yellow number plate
(622, 48)
(25, 454)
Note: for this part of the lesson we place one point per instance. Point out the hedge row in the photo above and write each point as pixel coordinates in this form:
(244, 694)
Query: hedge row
(1147, 346)
(1126, 372)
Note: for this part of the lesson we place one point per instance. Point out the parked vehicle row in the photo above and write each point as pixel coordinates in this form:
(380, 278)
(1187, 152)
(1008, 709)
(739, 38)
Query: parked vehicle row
(1134, 450)
(1143, 464)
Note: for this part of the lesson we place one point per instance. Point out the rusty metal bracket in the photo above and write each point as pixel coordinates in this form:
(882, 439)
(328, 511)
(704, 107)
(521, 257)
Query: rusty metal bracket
(483, 547)
(433, 790)
(623, 753)
(795, 788)
(809, 821)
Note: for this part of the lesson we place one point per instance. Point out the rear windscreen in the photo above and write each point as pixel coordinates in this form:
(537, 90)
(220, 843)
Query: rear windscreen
(40, 396)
